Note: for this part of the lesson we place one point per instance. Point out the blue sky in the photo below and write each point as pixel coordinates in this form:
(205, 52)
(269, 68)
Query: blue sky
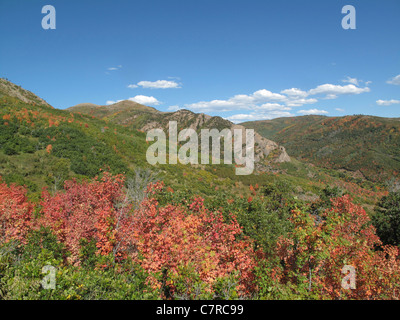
(242, 60)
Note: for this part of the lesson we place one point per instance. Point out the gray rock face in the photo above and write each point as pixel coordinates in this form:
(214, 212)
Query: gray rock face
(264, 147)
(265, 150)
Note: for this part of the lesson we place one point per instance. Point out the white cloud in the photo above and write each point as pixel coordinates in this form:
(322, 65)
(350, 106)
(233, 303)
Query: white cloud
(295, 93)
(339, 109)
(331, 89)
(395, 80)
(290, 98)
(312, 111)
(159, 84)
(174, 108)
(351, 80)
(237, 118)
(387, 102)
(146, 100)
(300, 102)
(266, 95)
(272, 107)
(259, 99)
(265, 104)
(356, 81)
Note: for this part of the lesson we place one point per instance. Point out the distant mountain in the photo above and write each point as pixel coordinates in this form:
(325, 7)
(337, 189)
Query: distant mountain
(143, 118)
(10, 89)
(367, 146)
(112, 111)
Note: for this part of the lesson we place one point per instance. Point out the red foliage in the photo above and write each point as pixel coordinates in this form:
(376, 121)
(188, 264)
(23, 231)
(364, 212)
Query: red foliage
(87, 211)
(170, 238)
(315, 253)
(15, 213)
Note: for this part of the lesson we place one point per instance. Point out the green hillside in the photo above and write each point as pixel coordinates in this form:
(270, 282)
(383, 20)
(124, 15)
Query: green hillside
(199, 232)
(42, 146)
(366, 146)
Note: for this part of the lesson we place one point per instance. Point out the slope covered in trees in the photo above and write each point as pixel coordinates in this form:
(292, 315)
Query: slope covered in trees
(182, 247)
(365, 145)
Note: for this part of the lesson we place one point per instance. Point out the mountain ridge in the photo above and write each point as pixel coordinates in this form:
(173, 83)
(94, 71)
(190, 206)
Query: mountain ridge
(364, 144)
(145, 118)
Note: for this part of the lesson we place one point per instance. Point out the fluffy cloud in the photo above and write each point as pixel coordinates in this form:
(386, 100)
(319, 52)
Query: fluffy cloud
(295, 93)
(260, 99)
(272, 107)
(299, 102)
(356, 81)
(264, 104)
(266, 95)
(312, 111)
(290, 98)
(112, 102)
(146, 100)
(237, 118)
(351, 80)
(159, 84)
(387, 102)
(395, 80)
(332, 90)
(339, 109)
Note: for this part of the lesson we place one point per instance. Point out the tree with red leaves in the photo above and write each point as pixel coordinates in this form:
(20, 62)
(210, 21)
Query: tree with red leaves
(89, 210)
(15, 213)
(173, 238)
(317, 250)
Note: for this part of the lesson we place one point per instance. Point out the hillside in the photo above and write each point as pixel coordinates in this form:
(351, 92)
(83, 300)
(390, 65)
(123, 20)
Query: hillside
(143, 118)
(366, 146)
(43, 147)
(10, 89)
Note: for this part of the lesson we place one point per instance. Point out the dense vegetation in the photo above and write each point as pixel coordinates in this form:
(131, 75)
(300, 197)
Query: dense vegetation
(367, 146)
(77, 194)
(109, 240)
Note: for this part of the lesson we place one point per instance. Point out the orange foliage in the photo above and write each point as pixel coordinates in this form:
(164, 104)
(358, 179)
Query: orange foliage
(49, 148)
